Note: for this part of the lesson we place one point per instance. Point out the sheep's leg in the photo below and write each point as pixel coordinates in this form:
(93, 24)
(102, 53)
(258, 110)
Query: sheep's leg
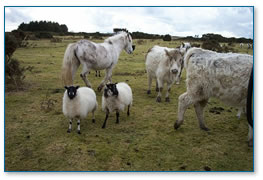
(117, 117)
(250, 136)
(70, 126)
(160, 89)
(106, 118)
(78, 126)
(167, 99)
(149, 84)
(184, 102)
(199, 110)
(128, 111)
(83, 74)
(107, 77)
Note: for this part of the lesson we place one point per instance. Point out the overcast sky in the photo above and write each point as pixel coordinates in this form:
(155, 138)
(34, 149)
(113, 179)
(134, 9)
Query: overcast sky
(177, 21)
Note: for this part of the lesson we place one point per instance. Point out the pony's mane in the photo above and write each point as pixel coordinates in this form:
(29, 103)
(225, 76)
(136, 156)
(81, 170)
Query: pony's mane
(116, 36)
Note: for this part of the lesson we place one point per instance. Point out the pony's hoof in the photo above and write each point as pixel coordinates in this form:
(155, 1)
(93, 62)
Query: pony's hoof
(250, 143)
(68, 131)
(157, 89)
(167, 99)
(176, 125)
(205, 128)
(99, 88)
(93, 120)
(158, 99)
(79, 132)
(103, 127)
(149, 92)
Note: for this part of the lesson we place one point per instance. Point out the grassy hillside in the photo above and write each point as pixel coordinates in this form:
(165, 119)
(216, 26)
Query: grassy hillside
(35, 127)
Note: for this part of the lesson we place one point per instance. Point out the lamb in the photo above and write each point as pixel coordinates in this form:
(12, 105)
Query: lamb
(77, 103)
(115, 98)
(164, 64)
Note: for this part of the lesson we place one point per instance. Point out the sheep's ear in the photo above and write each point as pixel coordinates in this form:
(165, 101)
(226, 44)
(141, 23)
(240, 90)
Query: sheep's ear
(77, 87)
(65, 87)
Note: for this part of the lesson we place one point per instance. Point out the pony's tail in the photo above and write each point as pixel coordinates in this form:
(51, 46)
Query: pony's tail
(70, 65)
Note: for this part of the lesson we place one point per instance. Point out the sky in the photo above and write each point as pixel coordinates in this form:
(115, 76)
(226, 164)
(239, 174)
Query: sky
(176, 21)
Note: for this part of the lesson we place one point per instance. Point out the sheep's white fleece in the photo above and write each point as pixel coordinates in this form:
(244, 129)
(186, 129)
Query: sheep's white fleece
(81, 105)
(124, 98)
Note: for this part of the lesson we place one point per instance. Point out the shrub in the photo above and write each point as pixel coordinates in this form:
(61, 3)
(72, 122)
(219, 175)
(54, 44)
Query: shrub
(44, 35)
(212, 45)
(14, 73)
(167, 37)
(10, 44)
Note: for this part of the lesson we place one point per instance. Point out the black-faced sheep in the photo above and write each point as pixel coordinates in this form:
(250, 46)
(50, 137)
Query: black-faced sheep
(77, 103)
(115, 98)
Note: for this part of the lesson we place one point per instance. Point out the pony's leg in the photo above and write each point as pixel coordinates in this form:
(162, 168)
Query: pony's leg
(78, 126)
(83, 74)
(250, 136)
(106, 118)
(107, 77)
(99, 74)
(160, 89)
(93, 115)
(184, 102)
(167, 99)
(199, 110)
(128, 111)
(70, 126)
(117, 117)
(157, 87)
(96, 73)
(149, 84)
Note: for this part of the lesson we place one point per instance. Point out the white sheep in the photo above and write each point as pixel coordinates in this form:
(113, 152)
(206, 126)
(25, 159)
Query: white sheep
(77, 103)
(115, 98)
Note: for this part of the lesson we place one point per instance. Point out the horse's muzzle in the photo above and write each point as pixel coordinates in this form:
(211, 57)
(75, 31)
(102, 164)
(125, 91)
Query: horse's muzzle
(174, 71)
(133, 47)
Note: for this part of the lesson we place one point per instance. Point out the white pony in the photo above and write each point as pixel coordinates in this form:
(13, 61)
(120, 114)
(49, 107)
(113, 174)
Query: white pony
(96, 56)
(164, 65)
(224, 76)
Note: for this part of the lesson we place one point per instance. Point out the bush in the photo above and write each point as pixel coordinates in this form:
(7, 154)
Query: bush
(212, 45)
(44, 35)
(14, 73)
(10, 44)
(56, 40)
(167, 37)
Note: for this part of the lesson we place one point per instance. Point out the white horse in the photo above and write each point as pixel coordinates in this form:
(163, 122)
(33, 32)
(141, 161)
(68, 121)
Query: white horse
(96, 56)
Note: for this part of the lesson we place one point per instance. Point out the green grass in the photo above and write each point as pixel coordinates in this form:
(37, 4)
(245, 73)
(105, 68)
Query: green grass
(36, 138)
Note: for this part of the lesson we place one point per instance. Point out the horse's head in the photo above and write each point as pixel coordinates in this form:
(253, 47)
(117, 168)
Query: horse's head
(175, 61)
(129, 48)
(71, 91)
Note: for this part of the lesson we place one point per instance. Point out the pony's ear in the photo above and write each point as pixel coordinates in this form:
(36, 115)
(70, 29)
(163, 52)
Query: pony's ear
(167, 53)
(65, 87)
(77, 87)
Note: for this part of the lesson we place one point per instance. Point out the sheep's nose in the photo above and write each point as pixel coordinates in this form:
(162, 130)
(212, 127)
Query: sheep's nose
(174, 71)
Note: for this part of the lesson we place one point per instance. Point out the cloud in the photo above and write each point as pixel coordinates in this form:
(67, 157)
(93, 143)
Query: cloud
(178, 21)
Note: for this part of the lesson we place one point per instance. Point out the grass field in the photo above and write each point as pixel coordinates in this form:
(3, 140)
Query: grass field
(35, 128)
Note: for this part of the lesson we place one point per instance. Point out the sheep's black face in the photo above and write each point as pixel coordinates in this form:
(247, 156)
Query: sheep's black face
(111, 90)
(72, 91)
